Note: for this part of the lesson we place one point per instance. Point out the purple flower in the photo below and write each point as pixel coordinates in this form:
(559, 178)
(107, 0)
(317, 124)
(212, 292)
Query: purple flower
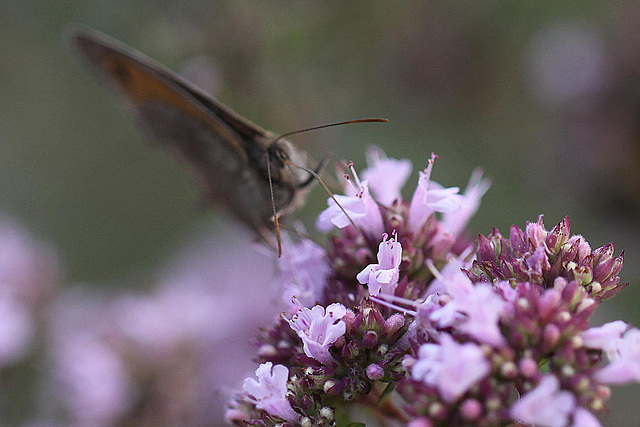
(545, 406)
(451, 367)
(319, 329)
(431, 197)
(269, 393)
(540, 257)
(385, 176)
(383, 276)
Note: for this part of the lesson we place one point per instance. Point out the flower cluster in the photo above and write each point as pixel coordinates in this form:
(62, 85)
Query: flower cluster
(396, 319)
(403, 320)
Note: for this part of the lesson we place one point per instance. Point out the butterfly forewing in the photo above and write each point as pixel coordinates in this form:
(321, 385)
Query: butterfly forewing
(227, 152)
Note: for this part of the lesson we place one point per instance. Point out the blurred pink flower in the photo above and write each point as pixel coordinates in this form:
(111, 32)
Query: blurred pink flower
(16, 329)
(28, 274)
(176, 352)
(546, 405)
(386, 176)
(29, 269)
(450, 367)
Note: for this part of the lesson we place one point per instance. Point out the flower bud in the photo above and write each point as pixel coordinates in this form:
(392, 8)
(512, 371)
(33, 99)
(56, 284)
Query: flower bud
(374, 372)
(370, 339)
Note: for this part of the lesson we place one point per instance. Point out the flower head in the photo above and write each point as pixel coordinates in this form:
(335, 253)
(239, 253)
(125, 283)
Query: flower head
(540, 256)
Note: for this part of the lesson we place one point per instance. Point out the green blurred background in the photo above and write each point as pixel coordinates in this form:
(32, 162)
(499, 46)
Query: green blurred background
(545, 96)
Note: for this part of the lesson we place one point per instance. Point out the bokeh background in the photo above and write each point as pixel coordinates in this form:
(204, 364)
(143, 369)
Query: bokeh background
(545, 96)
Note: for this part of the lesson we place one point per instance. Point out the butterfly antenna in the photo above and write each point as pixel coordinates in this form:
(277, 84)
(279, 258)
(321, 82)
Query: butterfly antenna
(346, 122)
(325, 188)
(276, 220)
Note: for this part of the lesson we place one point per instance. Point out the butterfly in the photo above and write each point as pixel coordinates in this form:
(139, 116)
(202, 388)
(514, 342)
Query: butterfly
(237, 164)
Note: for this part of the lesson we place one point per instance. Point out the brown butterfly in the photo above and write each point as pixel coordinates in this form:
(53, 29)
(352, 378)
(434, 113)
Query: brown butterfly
(236, 163)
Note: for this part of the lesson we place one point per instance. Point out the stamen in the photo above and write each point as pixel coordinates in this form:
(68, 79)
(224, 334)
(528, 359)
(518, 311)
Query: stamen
(353, 185)
(392, 306)
(355, 176)
(432, 268)
(388, 301)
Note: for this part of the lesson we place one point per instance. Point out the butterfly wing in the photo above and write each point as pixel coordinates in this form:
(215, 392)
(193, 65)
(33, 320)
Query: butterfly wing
(227, 152)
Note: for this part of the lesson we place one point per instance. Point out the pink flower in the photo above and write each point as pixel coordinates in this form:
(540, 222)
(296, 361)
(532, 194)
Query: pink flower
(451, 367)
(319, 329)
(621, 345)
(94, 382)
(584, 418)
(269, 393)
(536, 233)
(28, 273)
(538, 261)
(420, 422)
(383, 276)
(28, 268)
(431, 197)
(624, 360)
(605, 337)
(360, 208)
(482, 309)
(475, 309)
(451, 276)
(455, 221)
(385, 176)
(90, 375)
(545, 406)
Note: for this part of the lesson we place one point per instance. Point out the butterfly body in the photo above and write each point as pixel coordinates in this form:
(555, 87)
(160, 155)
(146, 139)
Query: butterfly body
(236, 163)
